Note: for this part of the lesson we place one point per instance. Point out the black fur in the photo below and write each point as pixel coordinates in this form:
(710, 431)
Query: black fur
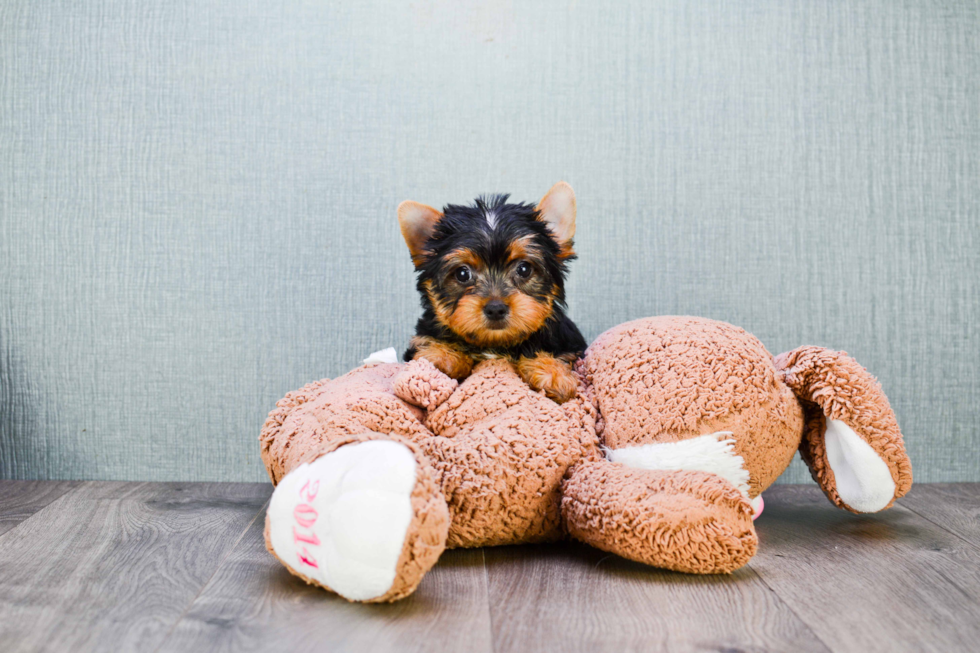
(467, 227)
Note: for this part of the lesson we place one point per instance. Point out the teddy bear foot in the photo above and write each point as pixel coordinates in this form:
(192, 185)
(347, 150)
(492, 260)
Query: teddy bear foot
(851, 440)
(690, 521)
(365, 520)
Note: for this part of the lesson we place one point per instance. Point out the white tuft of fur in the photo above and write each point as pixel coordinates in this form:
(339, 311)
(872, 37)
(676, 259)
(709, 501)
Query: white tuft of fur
(713, 453)
(342, 519)
(491, 219)
(388, 355)
(863, 479)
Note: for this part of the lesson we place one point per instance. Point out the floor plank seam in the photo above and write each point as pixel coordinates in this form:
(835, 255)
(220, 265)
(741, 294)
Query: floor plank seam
(813, 563)
(62, 497)
(790, 608)
(190, 604)
(973, 545)
(486, 581)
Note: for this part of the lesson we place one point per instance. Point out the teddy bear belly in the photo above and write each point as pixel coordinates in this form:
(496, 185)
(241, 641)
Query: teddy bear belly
(690, 377)
(502, 487)
(764, 439)
(501, 451)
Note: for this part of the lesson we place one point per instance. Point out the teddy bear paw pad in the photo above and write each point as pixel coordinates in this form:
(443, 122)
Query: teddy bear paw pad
(863, 480)
(342, 519)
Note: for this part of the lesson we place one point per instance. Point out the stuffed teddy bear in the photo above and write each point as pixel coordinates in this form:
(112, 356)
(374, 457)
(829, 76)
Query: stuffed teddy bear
(679, 425)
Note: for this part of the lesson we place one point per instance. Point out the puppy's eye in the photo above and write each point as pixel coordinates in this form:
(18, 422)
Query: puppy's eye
(463, 274)
(524, 270)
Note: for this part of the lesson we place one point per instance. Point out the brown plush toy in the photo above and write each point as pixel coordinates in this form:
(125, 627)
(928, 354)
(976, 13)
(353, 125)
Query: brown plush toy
(679, 425)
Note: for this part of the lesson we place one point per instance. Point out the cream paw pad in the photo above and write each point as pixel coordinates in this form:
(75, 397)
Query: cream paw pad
(342, 520)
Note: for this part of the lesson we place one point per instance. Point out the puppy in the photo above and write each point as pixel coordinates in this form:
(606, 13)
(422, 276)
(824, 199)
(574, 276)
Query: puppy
(492, 280)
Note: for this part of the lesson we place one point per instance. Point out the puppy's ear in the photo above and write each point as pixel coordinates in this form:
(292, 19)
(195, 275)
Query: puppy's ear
(557, 210)
(418, 223)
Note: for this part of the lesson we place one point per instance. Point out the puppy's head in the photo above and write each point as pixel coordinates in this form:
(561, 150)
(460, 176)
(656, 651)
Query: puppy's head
(493, 272)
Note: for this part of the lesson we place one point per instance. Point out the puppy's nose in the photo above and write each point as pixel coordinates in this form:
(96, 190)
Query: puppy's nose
(495, 310)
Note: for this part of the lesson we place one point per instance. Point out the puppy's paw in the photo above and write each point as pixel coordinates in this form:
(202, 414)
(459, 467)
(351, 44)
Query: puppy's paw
(448, 359)
(553, 375)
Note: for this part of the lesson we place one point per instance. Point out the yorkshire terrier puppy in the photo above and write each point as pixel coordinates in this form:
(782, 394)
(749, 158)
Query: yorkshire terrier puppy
(492, 281)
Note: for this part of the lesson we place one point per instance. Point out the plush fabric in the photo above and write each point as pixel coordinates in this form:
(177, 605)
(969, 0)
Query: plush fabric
(667, 379)
(835, 386)
(425, 538)
(682, 520)
(701, 417)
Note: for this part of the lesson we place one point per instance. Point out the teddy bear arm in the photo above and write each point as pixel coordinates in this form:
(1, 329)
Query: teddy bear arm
(423, 384)
(357, 507)
(851, 440)
(688, 521)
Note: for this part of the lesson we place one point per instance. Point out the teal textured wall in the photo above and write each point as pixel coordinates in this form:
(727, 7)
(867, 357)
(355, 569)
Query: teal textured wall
(197, 199)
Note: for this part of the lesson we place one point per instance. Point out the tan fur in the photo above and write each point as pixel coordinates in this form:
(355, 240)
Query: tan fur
(554, 376)
(557, 209)
(448, 359)
(468, 321)
(417, 223)
(464, 257)
(466, 318)
(528, 314)
(520, 249)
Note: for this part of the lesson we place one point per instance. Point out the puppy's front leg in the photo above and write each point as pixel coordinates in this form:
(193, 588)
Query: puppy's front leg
(553, 375)
(446, 357)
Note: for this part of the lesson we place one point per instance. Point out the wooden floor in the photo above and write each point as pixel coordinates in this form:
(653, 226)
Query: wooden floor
(182, 567)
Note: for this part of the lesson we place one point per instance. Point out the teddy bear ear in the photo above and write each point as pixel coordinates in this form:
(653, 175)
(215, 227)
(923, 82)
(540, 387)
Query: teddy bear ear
(418, 223)
(557, 210)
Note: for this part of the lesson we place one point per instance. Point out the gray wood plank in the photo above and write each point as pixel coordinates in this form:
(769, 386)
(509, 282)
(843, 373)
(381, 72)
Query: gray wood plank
(570, 597)
(21, 499)
(254, 604)
(112, 566)
(889, 581)
(954, 506)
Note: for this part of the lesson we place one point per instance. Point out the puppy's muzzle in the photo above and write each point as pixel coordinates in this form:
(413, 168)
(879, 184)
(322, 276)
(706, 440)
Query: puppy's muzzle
(496, 312)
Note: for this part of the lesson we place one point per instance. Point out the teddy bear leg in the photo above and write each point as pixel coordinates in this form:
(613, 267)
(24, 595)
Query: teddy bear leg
(851, 440)
(364, 518)
(690, 521)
